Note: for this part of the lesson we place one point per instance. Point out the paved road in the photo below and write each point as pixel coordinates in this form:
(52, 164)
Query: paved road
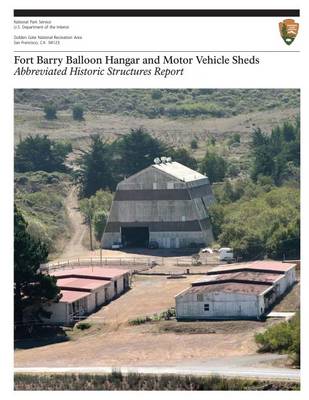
(242, 367)
(285, 315)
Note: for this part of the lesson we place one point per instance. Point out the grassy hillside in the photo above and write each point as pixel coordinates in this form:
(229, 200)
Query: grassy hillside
(198, 114)
(165, 102)
(41, 198)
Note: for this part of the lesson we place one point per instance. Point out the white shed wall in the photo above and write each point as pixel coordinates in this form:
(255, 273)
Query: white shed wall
(60, 313)
(221, 305)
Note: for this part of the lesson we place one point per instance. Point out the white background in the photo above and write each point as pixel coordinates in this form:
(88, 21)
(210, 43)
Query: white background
(278, 71)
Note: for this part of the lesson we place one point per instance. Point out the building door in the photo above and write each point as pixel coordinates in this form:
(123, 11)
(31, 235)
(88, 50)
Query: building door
(115, 287)
(137, 236)
(96, 300)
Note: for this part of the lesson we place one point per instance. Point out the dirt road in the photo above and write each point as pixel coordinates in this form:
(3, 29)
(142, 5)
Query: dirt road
(74, 247)
(252, 366)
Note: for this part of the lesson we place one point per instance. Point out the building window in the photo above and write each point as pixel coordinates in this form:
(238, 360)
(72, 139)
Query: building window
(170, 185)
(199, 297)
(155, 185)
(183, 218)
(206, 307)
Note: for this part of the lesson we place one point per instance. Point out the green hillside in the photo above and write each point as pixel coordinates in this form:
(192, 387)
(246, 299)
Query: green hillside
(171, 103)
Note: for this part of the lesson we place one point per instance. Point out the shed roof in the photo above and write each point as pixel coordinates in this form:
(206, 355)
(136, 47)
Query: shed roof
(263, 266)
(246, 276)
(179, 171)
(81, 284)
(70, 296)
(229, 287)
(91, 272)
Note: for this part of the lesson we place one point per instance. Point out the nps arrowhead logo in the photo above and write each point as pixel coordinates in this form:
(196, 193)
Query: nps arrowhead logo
(288, 30)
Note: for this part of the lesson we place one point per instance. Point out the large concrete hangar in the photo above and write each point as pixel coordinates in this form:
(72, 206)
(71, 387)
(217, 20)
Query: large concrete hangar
(246, 290)
(165, 203)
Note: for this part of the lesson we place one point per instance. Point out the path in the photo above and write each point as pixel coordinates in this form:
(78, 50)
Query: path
(74, 247)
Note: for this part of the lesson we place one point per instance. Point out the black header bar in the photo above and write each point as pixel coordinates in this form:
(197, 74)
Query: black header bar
(157, 13)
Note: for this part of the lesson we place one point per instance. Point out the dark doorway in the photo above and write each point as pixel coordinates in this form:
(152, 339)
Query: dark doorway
(137, 236)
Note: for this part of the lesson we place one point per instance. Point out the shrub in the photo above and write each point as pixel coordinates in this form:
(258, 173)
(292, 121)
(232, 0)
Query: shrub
(78, 112)
(194, 144)
(140, 320)
(283, 338)
(50, 111)
(83, 326)
(156, 94)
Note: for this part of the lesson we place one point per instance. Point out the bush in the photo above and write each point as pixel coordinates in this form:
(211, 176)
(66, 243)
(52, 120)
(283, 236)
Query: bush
(156, 94)
(235, 139)
(50, 111)
(78, 112)
(140, 320)
(283, 338)
(163, 316)
(83, 326)
(194, 144)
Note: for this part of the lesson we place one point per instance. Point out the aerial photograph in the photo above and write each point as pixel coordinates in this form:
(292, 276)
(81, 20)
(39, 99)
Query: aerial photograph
(157, 239)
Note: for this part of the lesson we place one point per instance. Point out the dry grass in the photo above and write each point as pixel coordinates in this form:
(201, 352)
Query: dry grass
(132, 381)
(177, 132)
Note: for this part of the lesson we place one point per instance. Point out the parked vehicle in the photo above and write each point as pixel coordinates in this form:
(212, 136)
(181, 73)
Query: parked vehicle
(207, 250)
(226, 254)
(117, 245)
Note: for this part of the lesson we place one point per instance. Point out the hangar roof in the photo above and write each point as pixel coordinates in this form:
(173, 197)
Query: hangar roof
(179, 171)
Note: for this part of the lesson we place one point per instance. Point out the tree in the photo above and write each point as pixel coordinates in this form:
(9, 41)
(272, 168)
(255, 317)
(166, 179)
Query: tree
(246, 243)
(78, 112)
(87, 208)
(182, 156)
(137, 151)
(214, 166)
(95, 210)
(31, 288)
(95, 170)
(276, 155)
(50, 111)
(285, 241)
(257, 221)
(39, 153)
(100, 220)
